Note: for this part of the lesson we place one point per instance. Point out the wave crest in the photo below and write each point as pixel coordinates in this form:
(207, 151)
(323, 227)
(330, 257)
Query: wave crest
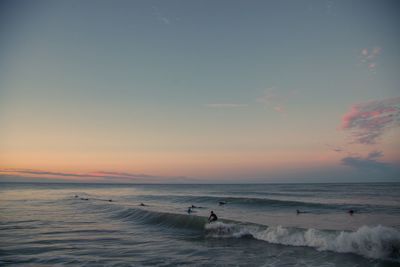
(377, 242)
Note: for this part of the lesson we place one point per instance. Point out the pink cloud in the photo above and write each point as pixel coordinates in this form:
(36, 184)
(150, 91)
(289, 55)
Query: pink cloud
(368, 121)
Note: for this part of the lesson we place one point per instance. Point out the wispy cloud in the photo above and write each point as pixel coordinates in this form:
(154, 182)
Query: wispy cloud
(124, 174)
(275, 99)
(97, 175)
(369, 57)
(40, 172)
(165, 20)
(375, 154)
(335, 148)
(368, 121)
(160, 16)
(226, 105)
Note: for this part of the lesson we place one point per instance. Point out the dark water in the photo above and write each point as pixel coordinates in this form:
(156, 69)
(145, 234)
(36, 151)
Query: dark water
(77, 225)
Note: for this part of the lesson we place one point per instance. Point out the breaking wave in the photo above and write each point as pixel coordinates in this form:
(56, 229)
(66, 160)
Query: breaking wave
(377, 242)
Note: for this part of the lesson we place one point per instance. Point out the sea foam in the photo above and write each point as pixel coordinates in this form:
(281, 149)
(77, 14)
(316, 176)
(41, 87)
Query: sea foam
(377, 242)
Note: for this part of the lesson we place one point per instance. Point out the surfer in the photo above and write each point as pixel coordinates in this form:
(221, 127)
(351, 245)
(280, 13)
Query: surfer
(299, 211)
(351, 212)
(141, 204)
(189, 210)
(212, 217)
(222, 203)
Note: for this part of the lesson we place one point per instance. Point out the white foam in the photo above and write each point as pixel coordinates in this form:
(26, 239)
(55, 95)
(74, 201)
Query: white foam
(377, 242)
(373, 242)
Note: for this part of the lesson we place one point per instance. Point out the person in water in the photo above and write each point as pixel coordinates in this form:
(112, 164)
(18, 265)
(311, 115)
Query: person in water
(189, 210)
(212, 217)
(300, 211)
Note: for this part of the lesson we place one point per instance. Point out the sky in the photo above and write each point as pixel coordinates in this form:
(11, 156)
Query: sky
(200, 91)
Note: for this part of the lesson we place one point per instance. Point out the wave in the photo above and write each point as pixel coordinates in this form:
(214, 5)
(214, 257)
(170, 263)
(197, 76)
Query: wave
(268, 203)
(378, 242)
(227, 199)
(164, 219)
(257, 203)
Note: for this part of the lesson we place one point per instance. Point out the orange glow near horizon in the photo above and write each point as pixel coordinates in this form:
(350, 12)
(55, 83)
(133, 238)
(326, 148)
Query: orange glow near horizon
(198, 164)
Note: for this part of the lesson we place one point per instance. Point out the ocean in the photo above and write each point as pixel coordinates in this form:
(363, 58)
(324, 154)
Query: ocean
(54, 224)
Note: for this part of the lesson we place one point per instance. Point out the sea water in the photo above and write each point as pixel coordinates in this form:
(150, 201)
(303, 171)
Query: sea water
(106, 225)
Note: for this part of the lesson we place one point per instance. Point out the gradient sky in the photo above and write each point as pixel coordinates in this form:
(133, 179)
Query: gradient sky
(200, 91)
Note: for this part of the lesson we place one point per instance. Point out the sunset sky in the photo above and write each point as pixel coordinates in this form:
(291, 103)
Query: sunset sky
(200, 91)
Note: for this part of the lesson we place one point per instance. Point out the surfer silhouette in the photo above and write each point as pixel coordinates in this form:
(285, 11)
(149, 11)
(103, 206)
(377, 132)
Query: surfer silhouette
(300, 211)
(212, 217)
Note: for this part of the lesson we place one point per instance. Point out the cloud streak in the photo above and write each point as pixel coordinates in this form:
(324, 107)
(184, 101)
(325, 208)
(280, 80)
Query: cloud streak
(98, 175)
(160, 16)
(226, 105)
(368, 121)
(335, 148)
